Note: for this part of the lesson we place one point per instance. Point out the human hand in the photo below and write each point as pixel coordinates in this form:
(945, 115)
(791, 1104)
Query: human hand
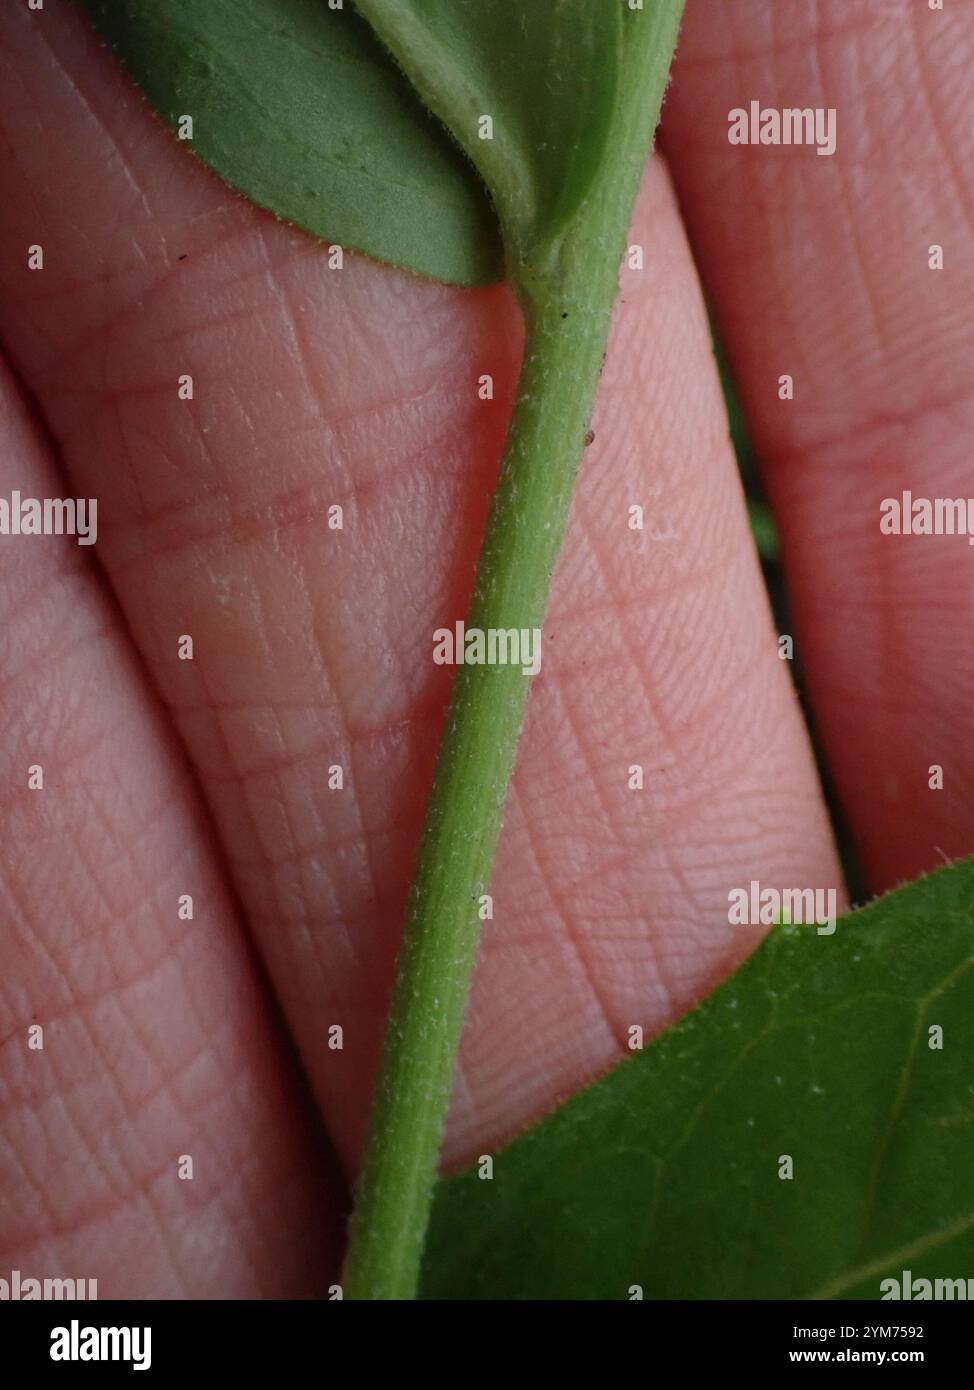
(210, 777)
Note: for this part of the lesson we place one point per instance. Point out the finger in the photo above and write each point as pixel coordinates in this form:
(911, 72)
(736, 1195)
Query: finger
(313, 647)
(152, 1140)
(819, 268)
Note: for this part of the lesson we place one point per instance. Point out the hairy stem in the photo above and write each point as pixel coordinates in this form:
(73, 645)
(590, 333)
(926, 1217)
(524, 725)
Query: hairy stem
(567, 295)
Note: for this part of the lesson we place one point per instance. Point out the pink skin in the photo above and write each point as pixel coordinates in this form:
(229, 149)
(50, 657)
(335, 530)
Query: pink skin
(313, 647)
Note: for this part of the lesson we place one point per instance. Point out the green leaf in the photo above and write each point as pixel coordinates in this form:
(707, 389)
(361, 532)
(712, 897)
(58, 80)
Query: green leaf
(665, 1173)
(547, 76)
(763, 529)
(299, 107)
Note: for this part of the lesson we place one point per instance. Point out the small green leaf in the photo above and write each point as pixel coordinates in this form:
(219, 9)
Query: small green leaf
(665, 1174)
(299, 107)
(546, 78)
(763, 529)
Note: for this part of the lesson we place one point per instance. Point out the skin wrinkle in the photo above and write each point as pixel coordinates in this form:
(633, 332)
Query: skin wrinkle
(859, 437)
(216, 724)
(898, 834)
(79, 1012)
(112, 138)
(760, 248)
(115, 1194)
(145, 1198)
(125, 1107)
(93, 1000)
(291, 322)
(182, 522)
(122, 1184)
(847, 203)
(262, 629)
(945, 143)
(565, 918)
(329, 670)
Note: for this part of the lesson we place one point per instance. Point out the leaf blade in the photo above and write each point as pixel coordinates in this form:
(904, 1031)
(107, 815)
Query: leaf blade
(664, 1173)
(552, 95)
(299, 108)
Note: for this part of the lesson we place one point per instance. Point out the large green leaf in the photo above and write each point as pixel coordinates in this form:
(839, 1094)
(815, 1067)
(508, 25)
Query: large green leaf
(547, 75)
(299, 107)
(665, 1174)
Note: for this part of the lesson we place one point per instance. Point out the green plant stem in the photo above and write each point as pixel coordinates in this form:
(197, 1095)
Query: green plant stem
(463, 819)
(567, 298)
